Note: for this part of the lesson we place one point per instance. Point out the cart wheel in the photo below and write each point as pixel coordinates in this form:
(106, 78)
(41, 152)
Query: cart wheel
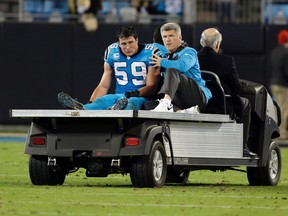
(150, 170)
(177, 176)
(268, 175)
(41, 174)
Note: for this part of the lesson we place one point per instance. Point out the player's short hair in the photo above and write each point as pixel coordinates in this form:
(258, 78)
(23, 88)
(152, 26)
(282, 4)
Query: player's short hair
(125, 32)
(171, 26)
(157, 38)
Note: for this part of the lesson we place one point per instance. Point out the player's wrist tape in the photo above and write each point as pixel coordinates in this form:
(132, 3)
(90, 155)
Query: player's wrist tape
(134, 93)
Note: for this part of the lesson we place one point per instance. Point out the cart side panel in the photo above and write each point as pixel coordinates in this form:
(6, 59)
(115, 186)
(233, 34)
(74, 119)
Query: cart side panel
(196, 139)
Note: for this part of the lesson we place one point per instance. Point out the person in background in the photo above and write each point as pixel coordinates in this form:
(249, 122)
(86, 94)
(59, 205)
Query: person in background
(226, 11)
(156, 7)
(279, 79)
(183, 85)
(88, 9)
(158, 42)
(45, 6)
(225, 67)
(136, 79)
(174, 7)
(85, 6)
(163, 52)
(140, 4)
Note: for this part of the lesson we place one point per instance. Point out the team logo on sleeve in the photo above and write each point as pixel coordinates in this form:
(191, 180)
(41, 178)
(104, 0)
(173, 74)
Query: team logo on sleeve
(116, 56)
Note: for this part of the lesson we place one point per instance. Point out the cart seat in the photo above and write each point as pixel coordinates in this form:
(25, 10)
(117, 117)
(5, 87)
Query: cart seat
(217, 103)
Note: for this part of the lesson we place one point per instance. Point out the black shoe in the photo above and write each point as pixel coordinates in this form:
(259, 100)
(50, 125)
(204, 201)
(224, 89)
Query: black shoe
(119, 105)
(248, 153)
(68, 102)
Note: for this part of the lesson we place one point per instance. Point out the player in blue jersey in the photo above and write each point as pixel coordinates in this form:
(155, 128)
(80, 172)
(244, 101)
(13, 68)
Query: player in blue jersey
(136, 79)
(158, 42)
(183, 85)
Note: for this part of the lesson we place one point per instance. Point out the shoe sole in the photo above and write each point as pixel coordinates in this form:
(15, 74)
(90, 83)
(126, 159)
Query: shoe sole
(67, 102)
(170, 110)
(119, 105)
(167, 110)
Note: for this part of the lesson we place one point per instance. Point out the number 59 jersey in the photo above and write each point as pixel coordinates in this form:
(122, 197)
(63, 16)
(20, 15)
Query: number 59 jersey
(130, 71)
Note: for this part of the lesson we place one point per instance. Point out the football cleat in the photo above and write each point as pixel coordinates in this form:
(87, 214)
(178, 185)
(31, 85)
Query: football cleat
(68, 102)
(120, 104)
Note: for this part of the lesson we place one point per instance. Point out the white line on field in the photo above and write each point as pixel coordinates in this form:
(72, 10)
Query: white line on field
(182, 195)
(151, 205)
(78, 213)
(165, 195)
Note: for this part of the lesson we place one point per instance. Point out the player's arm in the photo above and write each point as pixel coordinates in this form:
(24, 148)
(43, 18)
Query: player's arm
(185, 61)
(104, 84)
(152, 82)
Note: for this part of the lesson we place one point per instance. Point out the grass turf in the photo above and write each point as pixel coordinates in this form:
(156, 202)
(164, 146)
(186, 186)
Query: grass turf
(207, 193)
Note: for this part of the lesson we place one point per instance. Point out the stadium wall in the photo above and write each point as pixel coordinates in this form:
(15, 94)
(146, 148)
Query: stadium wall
(37, 60)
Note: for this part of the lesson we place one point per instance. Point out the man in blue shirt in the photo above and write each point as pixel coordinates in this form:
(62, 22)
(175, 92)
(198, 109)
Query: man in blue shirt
(136, 79)
(183, 85)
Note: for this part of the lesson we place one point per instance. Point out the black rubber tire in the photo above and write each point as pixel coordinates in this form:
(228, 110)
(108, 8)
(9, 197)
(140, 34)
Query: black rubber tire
(150, 170)
(177, 176)
(268, 175)
(41, 174)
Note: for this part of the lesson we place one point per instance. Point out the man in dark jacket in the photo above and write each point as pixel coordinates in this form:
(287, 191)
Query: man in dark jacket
(279, 79)
(224, 66)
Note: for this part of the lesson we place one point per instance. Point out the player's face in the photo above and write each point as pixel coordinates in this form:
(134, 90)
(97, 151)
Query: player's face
(129, 46)
(171, 40)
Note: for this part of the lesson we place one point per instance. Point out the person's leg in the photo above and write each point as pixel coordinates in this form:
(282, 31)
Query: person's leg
(280, 94)
(246, 119)
(135, 103)
(170, 83)
(68, 102)
(104, 102)
(183, 91)
(189, 94)
(168, 90)
(285, 113)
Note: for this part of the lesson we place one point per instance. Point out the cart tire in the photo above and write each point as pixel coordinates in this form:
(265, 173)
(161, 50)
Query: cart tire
(41, 174)
(150, 170)
(268, 175)
(177, 176)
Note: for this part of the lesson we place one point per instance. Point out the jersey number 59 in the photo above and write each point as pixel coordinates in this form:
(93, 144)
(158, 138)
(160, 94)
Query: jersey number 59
(137, 73)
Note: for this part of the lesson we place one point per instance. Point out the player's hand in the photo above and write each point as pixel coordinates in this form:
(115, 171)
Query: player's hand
(156, 60)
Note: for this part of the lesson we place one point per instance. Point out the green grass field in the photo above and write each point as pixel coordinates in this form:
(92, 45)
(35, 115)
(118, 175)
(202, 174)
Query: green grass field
(207, 193)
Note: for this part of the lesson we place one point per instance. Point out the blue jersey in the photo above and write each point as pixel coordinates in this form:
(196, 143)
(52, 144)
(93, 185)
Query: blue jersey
(130, 71)
(163, 52)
